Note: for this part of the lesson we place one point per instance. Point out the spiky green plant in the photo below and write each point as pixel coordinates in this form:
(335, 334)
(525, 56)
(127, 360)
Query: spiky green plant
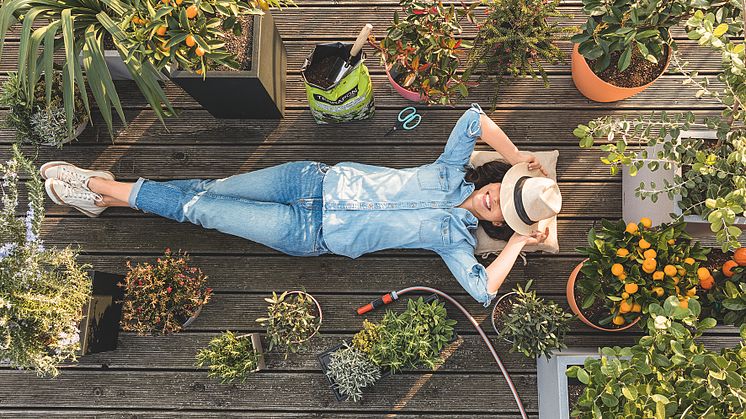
(229, 358)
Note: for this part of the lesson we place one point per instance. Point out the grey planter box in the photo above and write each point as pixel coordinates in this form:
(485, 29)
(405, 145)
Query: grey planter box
(257, 93)
(552, 381)
(634, 208)
(116, 65)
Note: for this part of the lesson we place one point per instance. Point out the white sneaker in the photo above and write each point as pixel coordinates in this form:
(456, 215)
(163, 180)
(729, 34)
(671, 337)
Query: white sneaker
(81, 199)
(71, 174)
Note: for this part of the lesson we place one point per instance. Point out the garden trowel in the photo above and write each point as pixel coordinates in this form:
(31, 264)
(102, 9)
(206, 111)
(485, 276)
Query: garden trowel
(340, 68)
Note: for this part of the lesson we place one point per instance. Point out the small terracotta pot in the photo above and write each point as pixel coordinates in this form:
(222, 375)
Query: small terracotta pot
(318, 308)
(594, 88)
(570, 291)
(404, 92)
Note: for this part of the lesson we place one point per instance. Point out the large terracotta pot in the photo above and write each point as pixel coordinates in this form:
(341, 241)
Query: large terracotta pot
(404, 92)
(570, 291)
(594, 88)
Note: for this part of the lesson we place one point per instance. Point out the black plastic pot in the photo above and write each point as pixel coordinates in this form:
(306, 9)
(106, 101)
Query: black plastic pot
(256, 93)
(99, 329)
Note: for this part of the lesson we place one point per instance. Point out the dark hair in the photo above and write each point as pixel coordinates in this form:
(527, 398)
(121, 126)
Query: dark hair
(490, 172)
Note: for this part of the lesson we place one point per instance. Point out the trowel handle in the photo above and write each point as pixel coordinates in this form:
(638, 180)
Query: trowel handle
(360, 41)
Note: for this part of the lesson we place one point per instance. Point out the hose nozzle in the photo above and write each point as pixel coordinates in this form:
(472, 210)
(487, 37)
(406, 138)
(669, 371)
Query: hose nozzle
(381, 301)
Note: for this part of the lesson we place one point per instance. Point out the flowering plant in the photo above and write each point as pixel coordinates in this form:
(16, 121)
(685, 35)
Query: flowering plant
(635, 265)
(160, 298)
(42, 290)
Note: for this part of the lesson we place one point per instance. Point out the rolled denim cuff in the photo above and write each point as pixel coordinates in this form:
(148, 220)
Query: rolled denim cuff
(132, 200)
(476, 107)
(474, 128)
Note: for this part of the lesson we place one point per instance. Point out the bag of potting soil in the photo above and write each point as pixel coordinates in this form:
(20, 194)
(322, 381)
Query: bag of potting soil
(349, 99)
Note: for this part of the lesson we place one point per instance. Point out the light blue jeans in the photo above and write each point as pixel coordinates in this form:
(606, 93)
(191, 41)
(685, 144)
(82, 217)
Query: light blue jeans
(279, 207)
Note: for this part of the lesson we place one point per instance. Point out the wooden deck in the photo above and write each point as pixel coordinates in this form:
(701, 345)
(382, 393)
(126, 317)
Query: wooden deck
(155, 376)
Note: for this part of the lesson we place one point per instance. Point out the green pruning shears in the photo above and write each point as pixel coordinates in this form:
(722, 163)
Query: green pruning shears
(408, 119)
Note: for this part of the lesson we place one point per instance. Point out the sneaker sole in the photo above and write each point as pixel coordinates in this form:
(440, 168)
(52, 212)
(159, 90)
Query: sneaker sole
(57, 200)
(93, 173)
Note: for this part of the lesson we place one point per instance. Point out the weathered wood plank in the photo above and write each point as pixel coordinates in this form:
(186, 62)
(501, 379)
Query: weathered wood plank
(420, 393)
(181, 413)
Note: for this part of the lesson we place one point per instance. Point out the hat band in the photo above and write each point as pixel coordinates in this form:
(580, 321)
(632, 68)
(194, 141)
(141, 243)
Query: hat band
(518, 200)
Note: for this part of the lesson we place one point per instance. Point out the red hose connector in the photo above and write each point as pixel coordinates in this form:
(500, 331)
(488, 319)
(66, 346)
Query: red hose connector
(381, 301)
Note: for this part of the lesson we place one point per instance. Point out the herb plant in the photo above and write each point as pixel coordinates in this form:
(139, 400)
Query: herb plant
(534, 326)
(229, 358)
(160, 297)
(424, 45)
(666, 374)
(517, 39)
(34, 120)
(42, 289)
(410, 339)
(712, 181)
(352, 371)
(633, 266)
(292, 319)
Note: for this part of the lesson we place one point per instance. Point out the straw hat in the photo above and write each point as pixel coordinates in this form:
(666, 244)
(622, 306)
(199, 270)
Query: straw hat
(527, 197)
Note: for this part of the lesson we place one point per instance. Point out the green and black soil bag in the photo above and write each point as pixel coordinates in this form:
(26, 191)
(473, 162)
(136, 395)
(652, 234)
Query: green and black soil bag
(350, 99)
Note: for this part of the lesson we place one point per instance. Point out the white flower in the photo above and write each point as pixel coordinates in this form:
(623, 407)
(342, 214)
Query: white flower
(662, 323)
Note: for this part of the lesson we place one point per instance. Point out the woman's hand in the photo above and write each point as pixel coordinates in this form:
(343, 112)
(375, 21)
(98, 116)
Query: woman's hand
(533, 162)
(536, 237)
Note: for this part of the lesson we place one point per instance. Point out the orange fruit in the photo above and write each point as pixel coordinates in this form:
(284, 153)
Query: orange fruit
(676, 279)
(670, 270)
(164, 1)
(658, 291)
(678, 290)
(689, 261)
(691, 292)
(740, 256)
(649, 254)
(622, 252)
(631, 288)
(646, 222)
(190, 41)
(672, 242)
(622, 277)
(681, 272)
(636, 308)
(631, 228)
(703, 273)
(684, 303)
(199, 71)
(644, 244)
(707, 283)
(199, 51)
(649, 265)
(728, 268)
(658, 275)
(161, 30)
(617, 269)
(625, 296)
(178, 2)
(192, 11)
(618, 320)
(625, 307)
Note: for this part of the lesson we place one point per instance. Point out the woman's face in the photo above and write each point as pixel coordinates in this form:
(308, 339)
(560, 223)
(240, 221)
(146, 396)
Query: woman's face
(486, 204)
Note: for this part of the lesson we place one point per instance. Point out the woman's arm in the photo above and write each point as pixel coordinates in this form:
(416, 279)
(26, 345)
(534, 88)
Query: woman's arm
(497, 139)
(499, 269)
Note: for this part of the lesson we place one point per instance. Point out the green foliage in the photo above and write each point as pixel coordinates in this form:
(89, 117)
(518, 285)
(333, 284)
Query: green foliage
(536, 327)
(160, 297)
(727, 298)
(292, 319)
(229, 358)
(407, 340)
(711, 182)
(622, 26)
(672, 246)
(517, 39)
(424, 43)
(352, 371)
(666, 374)
(42, 290)
(34, 120)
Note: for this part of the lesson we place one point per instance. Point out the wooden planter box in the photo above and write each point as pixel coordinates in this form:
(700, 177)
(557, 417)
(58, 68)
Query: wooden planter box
(257, 93)
(99, 329)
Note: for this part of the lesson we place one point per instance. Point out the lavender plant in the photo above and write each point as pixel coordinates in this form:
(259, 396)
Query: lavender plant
(352, 371)
(42, 290)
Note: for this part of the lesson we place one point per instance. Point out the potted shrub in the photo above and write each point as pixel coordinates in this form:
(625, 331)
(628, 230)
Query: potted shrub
(666, 374)
(517, 38)
(82, 25)
(38, 121)
(625, 46)
(44, 289)
(725, 297)
(230, 358)
(534, 326)
(631, 266)
(230, 57)
(709, 181)
(164, 297)
(421, 52)
(349, 371)
(293, 318)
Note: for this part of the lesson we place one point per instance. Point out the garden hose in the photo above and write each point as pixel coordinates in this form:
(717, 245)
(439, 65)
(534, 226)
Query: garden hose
(394, 295)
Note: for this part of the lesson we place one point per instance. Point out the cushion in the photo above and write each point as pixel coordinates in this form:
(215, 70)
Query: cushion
(487, 245)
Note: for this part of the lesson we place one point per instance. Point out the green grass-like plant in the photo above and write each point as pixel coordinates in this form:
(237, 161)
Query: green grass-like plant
(229, 358)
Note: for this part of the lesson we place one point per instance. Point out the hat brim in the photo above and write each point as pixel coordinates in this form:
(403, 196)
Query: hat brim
(507, 203)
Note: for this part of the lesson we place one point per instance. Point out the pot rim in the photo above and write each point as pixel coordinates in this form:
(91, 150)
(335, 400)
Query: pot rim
(191, 319)
(584, 62)
(318, 308)
(494, 308)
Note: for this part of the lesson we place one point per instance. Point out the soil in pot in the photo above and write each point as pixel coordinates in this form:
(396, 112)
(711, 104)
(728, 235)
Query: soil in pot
(639, 73)
(574, 391)
(716, 259)
(502, 307)
(241, 46)
(597, 313)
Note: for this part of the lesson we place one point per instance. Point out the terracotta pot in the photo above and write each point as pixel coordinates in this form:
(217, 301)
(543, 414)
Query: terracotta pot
(570, 291)
(318, 308)
(403, 92)
(594, 88)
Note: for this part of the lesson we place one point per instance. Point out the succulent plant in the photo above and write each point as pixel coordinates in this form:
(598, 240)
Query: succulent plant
(352, 371)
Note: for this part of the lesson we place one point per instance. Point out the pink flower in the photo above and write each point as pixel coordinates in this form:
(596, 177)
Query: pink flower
(169, 289)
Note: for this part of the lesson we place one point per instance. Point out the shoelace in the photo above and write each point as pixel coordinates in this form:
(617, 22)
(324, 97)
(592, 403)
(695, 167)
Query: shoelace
(72, 177)
(73, 193)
